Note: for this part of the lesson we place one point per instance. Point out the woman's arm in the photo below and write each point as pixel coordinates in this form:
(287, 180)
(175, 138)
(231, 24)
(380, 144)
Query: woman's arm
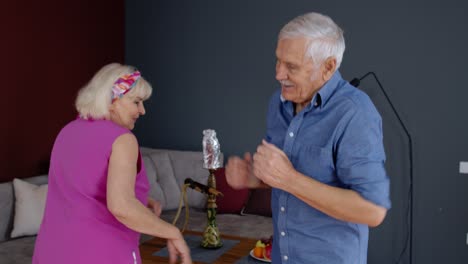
(121, 200)
(154, 206)
(123, 204)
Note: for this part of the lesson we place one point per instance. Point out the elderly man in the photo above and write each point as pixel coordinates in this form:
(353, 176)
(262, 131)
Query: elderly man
(323, 153)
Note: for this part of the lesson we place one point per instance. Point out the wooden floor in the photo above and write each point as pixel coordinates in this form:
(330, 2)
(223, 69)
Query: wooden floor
(235, 253)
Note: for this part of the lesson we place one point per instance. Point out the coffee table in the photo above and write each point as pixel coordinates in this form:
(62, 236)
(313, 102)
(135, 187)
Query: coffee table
(238, 251)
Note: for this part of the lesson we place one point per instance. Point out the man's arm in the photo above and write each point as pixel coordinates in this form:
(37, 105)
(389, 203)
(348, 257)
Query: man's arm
(342, 204)
(272, 166)
(239, 173)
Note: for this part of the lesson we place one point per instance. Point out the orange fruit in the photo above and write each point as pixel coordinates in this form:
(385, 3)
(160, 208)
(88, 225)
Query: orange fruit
(258, 252)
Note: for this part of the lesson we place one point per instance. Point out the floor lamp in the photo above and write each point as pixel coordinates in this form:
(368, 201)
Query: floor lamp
(409, 240)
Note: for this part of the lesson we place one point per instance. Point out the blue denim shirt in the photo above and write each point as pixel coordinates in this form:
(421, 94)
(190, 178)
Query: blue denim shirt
(337, 140)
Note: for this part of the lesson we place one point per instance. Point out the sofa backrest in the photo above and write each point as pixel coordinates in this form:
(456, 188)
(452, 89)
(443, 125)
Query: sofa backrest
(167, 170)
(7, 202)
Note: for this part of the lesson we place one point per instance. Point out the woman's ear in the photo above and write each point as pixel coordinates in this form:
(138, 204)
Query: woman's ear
(112, 110)
(113, 105)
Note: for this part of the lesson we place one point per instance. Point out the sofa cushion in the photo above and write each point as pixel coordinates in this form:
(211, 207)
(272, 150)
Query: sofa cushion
(38, 180)
(189, 164)
(166, 180)
(177, 165)
(259, 203)
(30, 202)
(253, 226)
(17, 251)
(233, 200)
(6, 205)
(6, 210)
(155, 191)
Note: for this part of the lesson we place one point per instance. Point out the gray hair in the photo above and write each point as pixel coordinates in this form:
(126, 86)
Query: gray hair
(94, 99)
(325, 37)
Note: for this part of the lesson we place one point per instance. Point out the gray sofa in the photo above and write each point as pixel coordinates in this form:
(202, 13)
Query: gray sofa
(17, 250)
(166, 170)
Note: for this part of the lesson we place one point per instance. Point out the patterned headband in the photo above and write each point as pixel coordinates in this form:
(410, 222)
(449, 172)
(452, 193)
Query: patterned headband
(124, 84)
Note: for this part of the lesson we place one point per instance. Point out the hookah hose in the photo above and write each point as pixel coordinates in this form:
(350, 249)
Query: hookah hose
(183, 197)
(189, 183)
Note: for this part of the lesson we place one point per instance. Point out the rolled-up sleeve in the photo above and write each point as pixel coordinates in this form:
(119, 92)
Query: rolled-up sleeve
(360, 157)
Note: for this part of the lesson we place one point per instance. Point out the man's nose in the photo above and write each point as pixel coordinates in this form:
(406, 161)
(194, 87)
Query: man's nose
(281, 73)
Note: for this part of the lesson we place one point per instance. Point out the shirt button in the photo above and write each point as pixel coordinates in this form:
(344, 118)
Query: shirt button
(282, 209)
(283, 233)
(285, 257)
(291, 134)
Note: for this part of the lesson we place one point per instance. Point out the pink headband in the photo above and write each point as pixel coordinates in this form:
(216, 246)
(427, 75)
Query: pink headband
(124, 84)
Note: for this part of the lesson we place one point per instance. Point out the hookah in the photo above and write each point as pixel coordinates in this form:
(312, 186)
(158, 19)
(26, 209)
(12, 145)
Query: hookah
(211, 161)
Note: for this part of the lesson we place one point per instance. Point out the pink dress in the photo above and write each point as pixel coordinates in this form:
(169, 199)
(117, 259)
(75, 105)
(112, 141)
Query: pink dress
(77, 226)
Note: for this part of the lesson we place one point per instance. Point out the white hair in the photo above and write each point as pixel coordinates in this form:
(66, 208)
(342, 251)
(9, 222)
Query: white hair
(325, 38)
(94, 99)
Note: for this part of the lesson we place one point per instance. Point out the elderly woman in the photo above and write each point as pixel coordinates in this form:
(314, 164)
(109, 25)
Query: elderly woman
(98, 188)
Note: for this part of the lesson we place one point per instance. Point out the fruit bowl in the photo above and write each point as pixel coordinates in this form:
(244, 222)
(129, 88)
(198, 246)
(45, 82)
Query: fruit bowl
(261, 259)
(262, 249)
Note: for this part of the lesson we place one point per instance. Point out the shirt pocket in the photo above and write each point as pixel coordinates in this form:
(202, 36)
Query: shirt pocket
(315, 162)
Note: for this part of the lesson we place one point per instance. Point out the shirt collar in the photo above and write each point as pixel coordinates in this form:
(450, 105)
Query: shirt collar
(328, 88)
(323, 94)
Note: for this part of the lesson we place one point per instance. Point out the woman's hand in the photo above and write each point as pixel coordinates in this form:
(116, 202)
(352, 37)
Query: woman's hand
(178, 248)
(154, 206)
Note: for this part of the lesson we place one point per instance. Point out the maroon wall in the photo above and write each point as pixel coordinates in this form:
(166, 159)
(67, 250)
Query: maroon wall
(50, 49)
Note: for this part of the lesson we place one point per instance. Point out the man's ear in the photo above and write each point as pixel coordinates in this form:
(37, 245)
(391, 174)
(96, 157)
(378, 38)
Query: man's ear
(328, 68)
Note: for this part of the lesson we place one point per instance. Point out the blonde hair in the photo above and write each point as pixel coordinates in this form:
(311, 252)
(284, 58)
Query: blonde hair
(94, 99)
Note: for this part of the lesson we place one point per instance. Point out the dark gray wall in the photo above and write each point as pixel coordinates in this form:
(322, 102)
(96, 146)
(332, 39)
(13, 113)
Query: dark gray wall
(211, 64)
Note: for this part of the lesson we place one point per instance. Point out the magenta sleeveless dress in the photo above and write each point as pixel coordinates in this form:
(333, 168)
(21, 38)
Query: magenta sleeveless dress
(77, 226)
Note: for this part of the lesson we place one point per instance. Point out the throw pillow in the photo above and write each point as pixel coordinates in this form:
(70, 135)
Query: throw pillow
(233, 200)
(259, 203)
(29, 207)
